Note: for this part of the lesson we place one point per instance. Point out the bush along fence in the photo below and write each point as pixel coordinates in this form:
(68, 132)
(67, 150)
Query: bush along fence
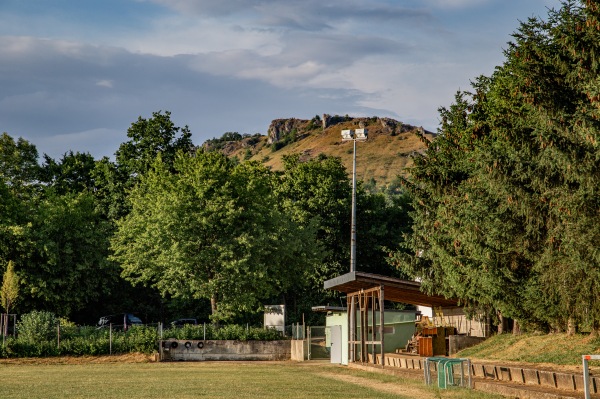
(41, 334)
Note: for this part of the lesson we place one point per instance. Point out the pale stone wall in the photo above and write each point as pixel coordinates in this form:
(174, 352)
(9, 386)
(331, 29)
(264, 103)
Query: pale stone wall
(298, 350)
(196, 350)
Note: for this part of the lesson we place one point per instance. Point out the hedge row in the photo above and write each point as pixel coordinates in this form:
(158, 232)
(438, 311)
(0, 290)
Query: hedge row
(139, 339)
(229, 332)
(79, 341)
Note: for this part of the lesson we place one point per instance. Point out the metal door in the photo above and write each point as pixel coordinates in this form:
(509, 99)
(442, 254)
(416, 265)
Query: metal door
(336, 344)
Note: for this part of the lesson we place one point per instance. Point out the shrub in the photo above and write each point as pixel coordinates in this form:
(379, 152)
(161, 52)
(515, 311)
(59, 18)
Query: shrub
(37, 326)
(230, 332)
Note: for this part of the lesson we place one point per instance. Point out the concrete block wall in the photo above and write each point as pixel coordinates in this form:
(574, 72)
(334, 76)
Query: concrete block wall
(541, 378)
(298, 350)
(524, 376)
(199, 350)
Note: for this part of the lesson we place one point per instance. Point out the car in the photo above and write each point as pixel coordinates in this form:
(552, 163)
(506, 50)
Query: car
(120, 321)
(183, 322)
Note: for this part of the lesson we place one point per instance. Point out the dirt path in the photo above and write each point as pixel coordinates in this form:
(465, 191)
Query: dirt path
(387, 387)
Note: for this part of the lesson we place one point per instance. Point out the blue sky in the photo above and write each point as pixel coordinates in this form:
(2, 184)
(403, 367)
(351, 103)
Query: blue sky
(75, 74)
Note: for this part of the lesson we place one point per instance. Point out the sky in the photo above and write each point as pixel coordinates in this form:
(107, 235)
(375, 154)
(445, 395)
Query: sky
(74, 75)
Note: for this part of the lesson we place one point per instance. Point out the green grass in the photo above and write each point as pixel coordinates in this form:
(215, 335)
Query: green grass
(184, 380)
(559, 349)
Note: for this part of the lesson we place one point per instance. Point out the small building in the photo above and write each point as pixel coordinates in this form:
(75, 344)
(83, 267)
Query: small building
(398, 327)
(365, 296)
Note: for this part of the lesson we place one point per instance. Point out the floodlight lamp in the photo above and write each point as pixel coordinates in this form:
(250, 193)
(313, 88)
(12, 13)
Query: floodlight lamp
(360, 134)
(347, 135)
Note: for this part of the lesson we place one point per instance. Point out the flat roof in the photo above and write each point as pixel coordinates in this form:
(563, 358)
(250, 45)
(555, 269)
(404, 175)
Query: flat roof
(326, 308)
(395, 289)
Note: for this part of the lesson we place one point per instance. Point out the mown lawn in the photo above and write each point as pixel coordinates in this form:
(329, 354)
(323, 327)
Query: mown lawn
(184, 380)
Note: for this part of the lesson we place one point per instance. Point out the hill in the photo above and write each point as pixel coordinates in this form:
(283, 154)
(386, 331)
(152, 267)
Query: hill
(386, 154)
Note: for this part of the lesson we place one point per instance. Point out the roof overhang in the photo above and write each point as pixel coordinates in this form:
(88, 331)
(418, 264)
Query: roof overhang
(326, 308)
(395, 290)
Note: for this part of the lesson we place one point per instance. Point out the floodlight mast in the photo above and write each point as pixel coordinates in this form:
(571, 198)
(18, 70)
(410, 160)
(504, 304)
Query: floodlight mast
(354, 135)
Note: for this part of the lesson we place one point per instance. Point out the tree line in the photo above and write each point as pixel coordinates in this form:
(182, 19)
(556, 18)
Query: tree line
(169, 230)
(507, 201)
(502, 211)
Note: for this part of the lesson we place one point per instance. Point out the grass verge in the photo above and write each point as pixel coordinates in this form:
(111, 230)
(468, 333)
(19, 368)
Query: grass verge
(557, 349)
(208, 380)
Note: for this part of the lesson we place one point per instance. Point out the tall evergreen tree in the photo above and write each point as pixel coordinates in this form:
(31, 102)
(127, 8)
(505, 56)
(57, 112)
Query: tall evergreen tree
(511, 186)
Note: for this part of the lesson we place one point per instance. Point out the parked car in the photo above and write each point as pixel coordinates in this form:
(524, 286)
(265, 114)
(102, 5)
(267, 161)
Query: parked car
(183, 322)
(121, 321)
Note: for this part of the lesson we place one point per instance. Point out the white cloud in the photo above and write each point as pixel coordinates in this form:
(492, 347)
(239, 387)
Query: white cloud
(105, 83)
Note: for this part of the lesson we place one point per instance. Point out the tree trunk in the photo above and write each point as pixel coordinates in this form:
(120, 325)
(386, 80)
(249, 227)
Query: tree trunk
(516, 328)
(500, 323)
(571, 326)
(213, 309)
(595, 329)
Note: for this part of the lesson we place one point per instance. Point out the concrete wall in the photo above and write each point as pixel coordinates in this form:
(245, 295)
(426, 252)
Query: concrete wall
(457, 343)
(545, 379)
(224, 350)
(298, 350)
(456, 317)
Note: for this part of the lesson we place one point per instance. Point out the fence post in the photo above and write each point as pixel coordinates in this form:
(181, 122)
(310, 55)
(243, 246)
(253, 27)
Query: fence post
(586, 373)
(204, 331)
(58, 332)
(3, 326)
(110, 339)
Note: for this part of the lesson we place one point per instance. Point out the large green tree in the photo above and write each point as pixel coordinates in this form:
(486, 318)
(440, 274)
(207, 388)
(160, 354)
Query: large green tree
(212, 230)
(63, 263)
(506, 199)
(72, 173)
(318, 192)
(19, 167)
(148, 137)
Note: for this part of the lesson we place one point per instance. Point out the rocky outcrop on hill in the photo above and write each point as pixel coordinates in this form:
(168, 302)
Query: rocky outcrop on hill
(389, 150)
(281, 128)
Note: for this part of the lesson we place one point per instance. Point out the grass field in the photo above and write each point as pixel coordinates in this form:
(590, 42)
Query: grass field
(87, 379)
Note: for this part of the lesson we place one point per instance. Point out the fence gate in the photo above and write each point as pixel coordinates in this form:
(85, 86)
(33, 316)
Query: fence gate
(319, 342)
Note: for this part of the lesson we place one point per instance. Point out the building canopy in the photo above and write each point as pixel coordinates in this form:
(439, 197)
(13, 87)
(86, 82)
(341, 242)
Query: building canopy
(396, 290)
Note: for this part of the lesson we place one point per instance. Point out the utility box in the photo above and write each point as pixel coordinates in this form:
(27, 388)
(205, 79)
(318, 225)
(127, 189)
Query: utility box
(274, 317)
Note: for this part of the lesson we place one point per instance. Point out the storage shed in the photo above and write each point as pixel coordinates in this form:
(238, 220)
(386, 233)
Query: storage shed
(366, 318)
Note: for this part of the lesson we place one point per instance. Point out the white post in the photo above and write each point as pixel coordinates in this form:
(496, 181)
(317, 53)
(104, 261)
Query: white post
(586, 373)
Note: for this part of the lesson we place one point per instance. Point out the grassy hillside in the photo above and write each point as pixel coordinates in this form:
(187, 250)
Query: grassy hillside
(382, 157)
(547, 349)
